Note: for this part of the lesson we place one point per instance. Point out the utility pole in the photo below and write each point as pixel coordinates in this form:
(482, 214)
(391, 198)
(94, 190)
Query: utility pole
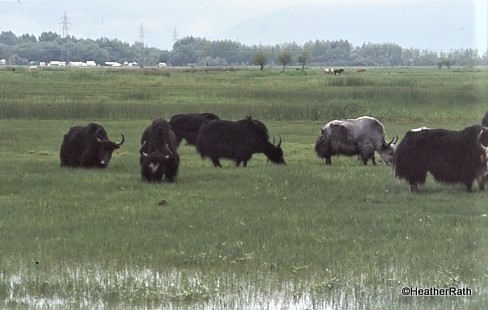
(141, 40)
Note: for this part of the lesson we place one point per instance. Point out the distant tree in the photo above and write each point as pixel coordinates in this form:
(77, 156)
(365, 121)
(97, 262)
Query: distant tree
(284, 58)
(304, 57)
(200, 51)
(15, 59)
(260, 59)
(49, 37)
(8, 38)
(27, 38)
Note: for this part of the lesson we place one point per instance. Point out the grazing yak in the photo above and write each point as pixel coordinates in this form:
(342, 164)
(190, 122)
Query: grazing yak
(159, 158)
(361, 136)
(186, 126)
(236, 140)
(450, 156)
(87, 147)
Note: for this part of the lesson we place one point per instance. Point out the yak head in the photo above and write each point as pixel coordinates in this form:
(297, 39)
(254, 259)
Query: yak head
(482, 140)
(106, 147)
(275, 153)
(154, 166)
(482, 165)
(322, 146)
(387, 151)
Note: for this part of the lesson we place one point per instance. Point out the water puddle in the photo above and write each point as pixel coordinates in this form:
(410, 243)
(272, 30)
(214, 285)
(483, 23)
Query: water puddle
(98, 288)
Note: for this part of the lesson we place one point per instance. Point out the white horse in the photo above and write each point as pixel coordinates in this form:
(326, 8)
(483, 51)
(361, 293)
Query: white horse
(329, 71)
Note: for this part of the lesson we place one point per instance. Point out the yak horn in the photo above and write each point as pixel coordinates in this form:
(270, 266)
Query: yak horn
(279, 143)
(168, 149)
(393, 141)
(396, 140)
(142, 147)
(123, 139)
(485, 148)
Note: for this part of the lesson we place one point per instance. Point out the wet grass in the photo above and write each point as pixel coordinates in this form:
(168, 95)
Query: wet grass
(299, 236)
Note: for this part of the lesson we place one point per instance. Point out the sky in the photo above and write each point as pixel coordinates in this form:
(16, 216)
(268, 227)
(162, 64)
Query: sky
(425, 24)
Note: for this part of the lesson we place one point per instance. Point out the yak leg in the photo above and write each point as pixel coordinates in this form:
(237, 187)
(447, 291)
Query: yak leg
(216, 162)
(373, 160)
(413, 187)
(469, 185)
(328, 161)
(481, 182)
(367, 153)
(172, 172)
(238, 162)
(247, 158)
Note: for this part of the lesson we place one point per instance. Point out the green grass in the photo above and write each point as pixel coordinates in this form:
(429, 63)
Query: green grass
(269, 95)
(304, 235)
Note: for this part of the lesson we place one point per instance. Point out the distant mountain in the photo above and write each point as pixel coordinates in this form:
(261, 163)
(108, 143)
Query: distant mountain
(430, 26)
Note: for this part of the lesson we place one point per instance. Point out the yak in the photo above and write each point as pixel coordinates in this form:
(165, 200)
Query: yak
(450, 156)
(186, 126)
(159, 158)
(87, 147)
(361, 136)
(236, 140)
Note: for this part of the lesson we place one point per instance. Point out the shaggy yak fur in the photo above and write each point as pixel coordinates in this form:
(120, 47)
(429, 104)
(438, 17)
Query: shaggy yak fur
(87, 147)
(186, 126)
(450, 156)
(159, 158)
(236, 140)
(362, 136)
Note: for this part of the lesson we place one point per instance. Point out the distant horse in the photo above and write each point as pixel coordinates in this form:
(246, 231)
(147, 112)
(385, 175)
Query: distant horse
(329, 71)
(338, 71)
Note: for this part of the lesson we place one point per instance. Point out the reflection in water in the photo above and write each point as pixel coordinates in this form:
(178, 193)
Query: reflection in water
(97, 288)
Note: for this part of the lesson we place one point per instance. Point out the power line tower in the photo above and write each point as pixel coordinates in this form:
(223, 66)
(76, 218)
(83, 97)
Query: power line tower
(175, 36)
(141, 40)
(65, 23)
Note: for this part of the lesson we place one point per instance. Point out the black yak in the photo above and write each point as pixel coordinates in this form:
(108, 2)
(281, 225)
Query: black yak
(159, 158)
(361, 136)
(87, 147)
(236, 140)
(186, 126)
(450, 156)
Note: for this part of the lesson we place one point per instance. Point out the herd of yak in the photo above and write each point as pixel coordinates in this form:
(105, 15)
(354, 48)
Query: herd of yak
(450, 156)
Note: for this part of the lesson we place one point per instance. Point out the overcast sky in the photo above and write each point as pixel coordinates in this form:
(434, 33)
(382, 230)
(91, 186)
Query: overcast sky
(274, 21)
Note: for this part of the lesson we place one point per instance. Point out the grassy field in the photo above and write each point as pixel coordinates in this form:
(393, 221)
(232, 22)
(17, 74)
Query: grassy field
(301, 236)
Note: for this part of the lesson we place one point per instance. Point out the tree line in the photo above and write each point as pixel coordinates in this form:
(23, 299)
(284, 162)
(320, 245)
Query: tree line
(24, 49)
